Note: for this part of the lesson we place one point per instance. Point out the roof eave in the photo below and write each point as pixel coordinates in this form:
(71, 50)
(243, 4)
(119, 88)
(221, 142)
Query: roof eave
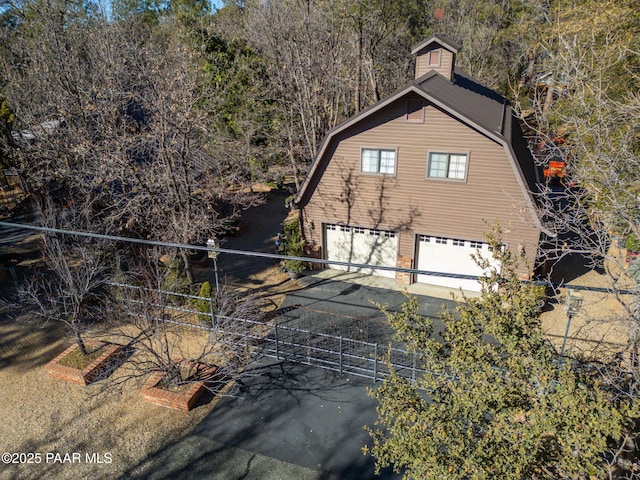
(441, 40)
(412, 87)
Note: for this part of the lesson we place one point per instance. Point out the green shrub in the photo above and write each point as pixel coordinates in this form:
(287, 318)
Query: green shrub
(295, 244)
(294, 247)
(632, 243)
(174, 280)
(203, 306)
(295, 266)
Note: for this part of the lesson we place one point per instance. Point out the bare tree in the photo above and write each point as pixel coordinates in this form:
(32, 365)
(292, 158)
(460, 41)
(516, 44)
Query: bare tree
(122, 124)
(307, 47)
(166, 338)
(71, 289)
(593, 207)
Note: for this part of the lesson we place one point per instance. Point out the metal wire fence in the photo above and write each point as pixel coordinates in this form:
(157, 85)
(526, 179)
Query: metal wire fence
(275, 337)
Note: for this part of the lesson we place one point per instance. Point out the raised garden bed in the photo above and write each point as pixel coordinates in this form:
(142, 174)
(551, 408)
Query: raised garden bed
(105, 359)
(182, 397)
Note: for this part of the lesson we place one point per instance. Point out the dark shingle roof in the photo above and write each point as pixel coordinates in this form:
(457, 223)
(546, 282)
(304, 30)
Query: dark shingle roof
(467, 97)
(487, 109)
(440, 39)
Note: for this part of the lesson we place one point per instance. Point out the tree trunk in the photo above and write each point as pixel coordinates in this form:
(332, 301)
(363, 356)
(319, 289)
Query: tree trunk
(81, 344)
(548, 100)
(292, 158)
(188, 268)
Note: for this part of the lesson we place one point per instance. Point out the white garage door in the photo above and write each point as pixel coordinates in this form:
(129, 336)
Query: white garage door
(362, 245)
(451, 255)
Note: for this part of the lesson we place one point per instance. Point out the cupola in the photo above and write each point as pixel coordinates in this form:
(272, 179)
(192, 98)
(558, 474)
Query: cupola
(437, 53)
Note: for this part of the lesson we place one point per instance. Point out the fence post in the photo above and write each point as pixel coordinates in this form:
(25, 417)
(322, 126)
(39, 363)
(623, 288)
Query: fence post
(375, 362)
(276, 330)
(213, 318)
(340, 353)
(142, 301)
(246, 335)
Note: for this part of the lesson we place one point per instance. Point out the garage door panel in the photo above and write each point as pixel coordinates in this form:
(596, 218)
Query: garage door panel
(451, 256)
(362, 245)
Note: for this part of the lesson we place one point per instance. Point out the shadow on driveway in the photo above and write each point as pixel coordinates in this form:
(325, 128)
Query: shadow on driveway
(300, 415)
(285, 422)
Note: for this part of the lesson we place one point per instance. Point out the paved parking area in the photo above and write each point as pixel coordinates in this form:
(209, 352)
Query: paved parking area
(299, 415)
(285, 421)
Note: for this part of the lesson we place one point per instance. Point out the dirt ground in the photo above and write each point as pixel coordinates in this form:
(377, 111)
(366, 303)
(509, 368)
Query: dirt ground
(600, 328)
(82, 432)
(46, 416)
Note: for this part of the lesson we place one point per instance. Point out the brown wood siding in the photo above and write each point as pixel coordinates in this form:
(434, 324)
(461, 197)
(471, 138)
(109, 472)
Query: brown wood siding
(445, 68)
(408, 201)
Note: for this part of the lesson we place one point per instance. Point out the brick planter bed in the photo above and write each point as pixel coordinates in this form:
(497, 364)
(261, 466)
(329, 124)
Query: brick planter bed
(91, 372)
(180, 401)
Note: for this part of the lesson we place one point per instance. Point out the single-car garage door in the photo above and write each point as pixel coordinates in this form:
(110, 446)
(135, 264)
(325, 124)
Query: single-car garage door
(450, 255)
(369, 246)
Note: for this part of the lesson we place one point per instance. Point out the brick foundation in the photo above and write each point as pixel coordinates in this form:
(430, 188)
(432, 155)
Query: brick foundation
(179, 401)
(91, 372)
(404, 278)
(313, 251)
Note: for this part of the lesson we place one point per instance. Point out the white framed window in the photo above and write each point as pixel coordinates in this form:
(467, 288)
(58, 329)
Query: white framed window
(452, 166)
(378, 160)
(458, 243)
(474, 244)
(441, 240)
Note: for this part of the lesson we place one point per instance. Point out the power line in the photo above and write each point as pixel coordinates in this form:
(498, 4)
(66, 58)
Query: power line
(158, 243)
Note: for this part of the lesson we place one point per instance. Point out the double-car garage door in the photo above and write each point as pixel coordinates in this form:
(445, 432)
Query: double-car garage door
(380, 247)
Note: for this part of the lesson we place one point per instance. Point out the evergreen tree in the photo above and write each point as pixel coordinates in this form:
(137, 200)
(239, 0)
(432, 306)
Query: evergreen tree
(495, 401)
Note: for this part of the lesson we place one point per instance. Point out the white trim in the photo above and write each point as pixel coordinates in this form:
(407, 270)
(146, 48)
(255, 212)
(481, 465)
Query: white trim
(413, 88)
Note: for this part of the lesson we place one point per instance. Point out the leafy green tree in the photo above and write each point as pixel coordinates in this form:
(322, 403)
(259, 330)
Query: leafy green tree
(495, 401)
(147, 10)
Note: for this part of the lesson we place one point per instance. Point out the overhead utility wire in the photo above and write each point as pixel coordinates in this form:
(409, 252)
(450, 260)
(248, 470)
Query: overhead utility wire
(205, 248)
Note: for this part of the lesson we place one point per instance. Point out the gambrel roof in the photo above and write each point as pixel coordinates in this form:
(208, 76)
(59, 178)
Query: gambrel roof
(465, 99)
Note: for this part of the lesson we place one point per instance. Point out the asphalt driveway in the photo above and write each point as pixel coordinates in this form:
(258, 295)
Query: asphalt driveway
(284, 420)
(306, 416)
(299, 415)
